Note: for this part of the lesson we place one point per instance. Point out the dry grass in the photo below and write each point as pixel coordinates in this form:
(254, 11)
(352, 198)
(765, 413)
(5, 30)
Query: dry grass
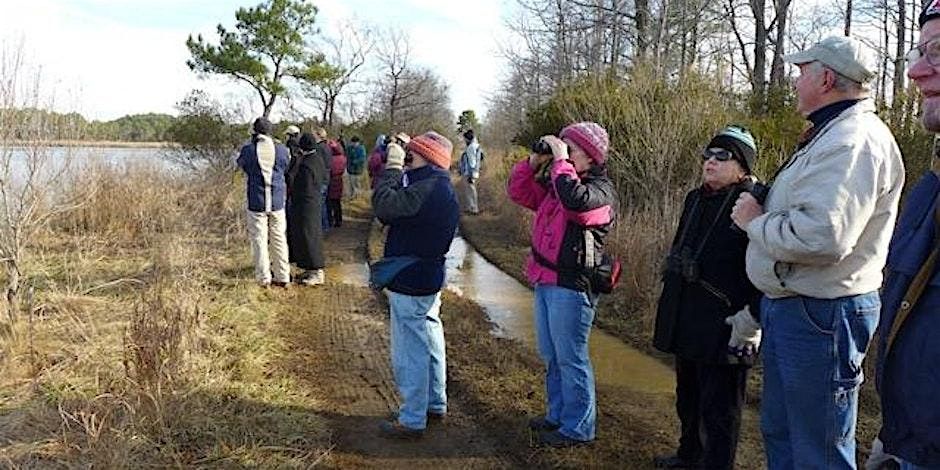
(146, 343)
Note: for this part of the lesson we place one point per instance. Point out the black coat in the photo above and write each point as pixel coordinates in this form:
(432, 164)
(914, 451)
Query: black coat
(690, 319)
(304, 232)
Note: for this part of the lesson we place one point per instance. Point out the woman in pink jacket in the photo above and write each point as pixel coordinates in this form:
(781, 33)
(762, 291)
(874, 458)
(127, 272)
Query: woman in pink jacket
(574, 201)
(334, 194)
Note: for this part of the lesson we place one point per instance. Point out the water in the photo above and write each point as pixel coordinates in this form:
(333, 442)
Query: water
(53, 158)
(509, 306)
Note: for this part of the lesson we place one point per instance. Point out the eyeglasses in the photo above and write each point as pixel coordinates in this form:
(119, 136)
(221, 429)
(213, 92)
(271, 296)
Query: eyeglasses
(929, 50)
(720, 154)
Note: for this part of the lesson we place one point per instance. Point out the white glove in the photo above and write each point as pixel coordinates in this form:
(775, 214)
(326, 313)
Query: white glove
(396, 157)
(745, 333)
(558, 146)
(878, 459)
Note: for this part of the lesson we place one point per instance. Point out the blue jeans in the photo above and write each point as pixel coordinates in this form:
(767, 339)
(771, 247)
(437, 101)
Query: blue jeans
(812, 353)
(563, 320)
(418, 359)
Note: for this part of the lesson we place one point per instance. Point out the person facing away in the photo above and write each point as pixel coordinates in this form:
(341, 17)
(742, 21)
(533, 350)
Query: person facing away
(816, 250)
(292, 141)
(908, 349)
(355, 164)
(305, 235)
(264, 162)
(573, 200)
(377, 160)
(470, 162)
(323, 149)
(708, 304)
(334, 201)
(422, 219)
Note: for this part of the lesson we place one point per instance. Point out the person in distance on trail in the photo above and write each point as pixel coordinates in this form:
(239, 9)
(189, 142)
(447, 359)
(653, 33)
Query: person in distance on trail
(708, 309)
(470, 162)
(415, 199)
(305, 235)
(264, 162)
(816, 249)
(567, 187)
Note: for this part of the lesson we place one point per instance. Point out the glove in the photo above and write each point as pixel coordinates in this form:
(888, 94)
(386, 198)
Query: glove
(558, 146)
(396, 157)
(878, 459)
(745, 333)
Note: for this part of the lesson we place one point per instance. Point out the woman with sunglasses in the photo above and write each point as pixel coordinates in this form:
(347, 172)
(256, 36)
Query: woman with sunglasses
(707, 315)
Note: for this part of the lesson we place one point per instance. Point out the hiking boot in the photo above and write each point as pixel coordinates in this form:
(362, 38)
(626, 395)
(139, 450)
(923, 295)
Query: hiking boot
(435, 417)
(264, 284)
(314, 277)
(281, 284)
(674, 461)
(558, 440)
(541, 423)
(395, 430)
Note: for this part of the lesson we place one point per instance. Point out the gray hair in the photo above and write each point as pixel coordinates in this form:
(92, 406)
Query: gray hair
(843, 83)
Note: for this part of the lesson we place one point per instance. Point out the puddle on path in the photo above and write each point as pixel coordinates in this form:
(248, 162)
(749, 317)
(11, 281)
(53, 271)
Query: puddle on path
(509, 305)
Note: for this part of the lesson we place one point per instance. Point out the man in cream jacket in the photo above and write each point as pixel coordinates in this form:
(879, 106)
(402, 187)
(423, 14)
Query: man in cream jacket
(817, 249)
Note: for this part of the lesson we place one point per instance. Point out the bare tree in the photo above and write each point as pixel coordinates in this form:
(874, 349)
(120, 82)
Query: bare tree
(394, 55)
(30, 169)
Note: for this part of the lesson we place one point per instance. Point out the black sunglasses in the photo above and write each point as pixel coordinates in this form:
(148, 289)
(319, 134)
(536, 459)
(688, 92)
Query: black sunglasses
(720, 154)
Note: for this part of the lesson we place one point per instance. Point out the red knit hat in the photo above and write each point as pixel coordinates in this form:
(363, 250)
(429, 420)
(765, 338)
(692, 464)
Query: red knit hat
(591, 137)
(434, 147)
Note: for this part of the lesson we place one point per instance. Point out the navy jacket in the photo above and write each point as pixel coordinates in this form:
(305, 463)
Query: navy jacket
(908, 378)
(422, 219)
(266, 182)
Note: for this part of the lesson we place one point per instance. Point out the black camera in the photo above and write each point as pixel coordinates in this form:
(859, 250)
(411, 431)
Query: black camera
(540, 147)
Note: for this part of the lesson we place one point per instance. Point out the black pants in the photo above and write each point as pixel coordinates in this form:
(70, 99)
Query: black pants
(334, 212)
(709, 398)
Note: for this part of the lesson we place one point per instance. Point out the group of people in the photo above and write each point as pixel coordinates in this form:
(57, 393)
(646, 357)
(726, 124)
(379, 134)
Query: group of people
(295, 193)
(794, 273)
(791, 272)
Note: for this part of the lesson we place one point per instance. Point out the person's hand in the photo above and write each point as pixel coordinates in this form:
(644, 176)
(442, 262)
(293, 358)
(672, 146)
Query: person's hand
(536, 161)
(745, 334)
(558, 146)
(745, 209)
(396, 157)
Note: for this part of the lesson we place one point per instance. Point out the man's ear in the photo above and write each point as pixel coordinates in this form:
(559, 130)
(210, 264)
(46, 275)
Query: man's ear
(828, 79)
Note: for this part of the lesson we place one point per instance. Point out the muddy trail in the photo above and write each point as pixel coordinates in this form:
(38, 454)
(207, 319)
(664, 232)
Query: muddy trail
(336, 343)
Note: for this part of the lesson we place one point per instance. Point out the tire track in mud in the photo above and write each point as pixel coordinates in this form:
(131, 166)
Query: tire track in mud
(336, 342)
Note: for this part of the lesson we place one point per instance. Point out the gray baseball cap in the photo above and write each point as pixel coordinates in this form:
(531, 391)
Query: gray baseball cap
(843, 54)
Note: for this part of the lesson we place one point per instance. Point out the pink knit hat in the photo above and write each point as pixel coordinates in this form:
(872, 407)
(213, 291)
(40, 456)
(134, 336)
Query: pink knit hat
(591, 137)
(434, 147)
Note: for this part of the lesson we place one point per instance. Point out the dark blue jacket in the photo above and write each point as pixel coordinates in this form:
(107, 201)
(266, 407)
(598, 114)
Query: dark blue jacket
(422, 219)
(908, 378)
(266, 183)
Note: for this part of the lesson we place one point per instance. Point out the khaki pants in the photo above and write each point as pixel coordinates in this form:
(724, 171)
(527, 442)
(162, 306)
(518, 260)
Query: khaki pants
(268, 230)
(355, 185)
(470, 197)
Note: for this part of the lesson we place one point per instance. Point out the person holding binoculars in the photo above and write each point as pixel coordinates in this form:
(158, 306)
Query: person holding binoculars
(707, 314)
(565, 183)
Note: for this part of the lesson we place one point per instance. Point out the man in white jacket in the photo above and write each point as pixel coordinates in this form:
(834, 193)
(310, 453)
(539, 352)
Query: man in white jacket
(817, 248)
(470, 162)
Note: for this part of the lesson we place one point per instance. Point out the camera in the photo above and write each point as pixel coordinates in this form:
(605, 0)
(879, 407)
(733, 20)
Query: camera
(540, 147)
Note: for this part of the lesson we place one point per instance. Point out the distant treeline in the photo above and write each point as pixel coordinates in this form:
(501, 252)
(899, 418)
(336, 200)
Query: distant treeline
(150, 127)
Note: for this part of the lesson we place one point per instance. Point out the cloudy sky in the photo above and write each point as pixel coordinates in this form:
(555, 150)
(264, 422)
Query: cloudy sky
(108, 58)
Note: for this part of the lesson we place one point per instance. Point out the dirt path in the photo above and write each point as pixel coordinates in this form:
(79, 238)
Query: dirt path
(337, 336)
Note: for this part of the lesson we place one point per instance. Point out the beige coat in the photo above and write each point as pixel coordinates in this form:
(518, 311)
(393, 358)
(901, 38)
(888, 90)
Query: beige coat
(829, 216)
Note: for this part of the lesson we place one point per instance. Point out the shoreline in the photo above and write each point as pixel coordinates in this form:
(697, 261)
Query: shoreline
(94, 144)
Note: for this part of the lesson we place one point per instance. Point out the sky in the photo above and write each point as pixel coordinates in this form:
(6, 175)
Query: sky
(109, 58)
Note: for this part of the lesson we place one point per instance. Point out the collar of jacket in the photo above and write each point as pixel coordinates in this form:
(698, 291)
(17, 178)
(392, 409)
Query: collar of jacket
(866, 105)
(821, 116)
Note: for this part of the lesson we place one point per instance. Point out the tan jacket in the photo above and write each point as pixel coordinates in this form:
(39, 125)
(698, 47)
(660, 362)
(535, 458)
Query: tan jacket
(830, 213)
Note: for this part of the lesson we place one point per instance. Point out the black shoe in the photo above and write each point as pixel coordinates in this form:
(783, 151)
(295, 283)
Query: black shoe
(674, 461)
(395, 430)
(436, 418)
(558, 440)
(541, 423)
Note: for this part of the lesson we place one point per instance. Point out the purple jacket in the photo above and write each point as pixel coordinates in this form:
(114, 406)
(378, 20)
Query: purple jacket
(573, 215)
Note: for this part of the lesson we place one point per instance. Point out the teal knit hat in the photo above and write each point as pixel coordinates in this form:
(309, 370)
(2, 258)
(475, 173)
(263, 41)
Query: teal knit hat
(739, 141)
